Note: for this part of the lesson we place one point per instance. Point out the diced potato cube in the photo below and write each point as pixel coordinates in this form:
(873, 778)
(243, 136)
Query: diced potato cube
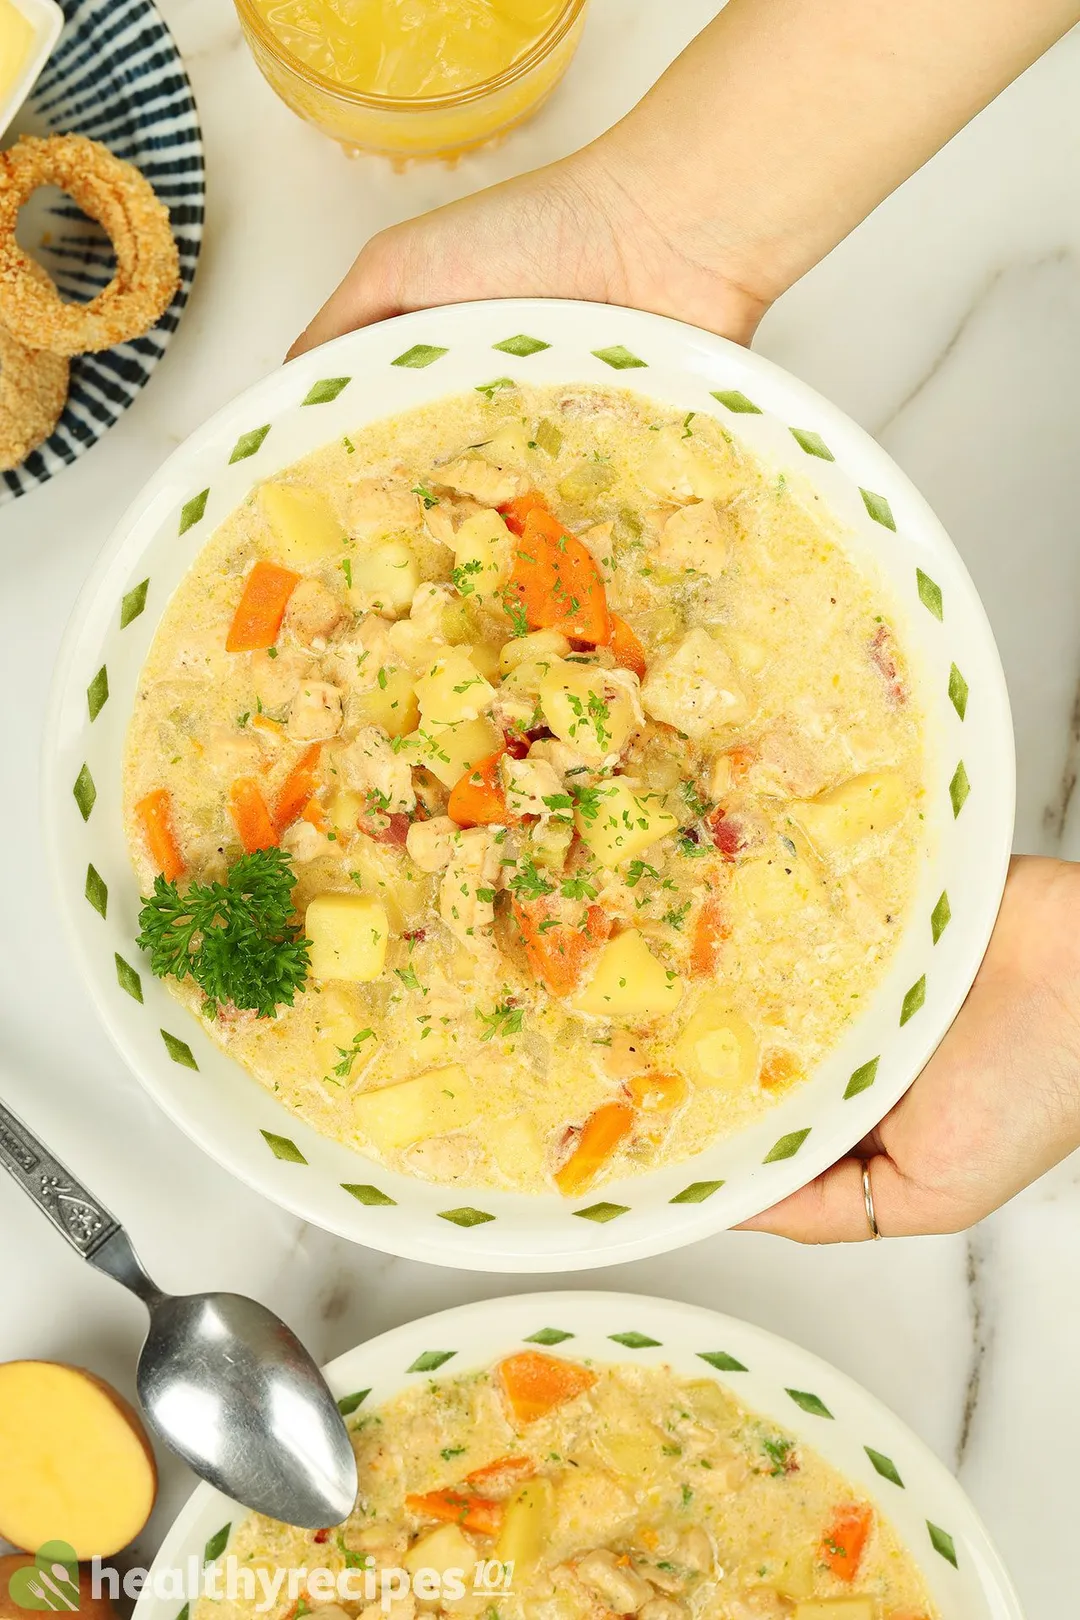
(482, 555)
(636, 1454)
(339, 1018)
(857, 809)
(747, 653)
(838, 1608)
(390, 703)
(678, 469)
(526, 1528)
(583, 711)
(693, 688)
(384, 579)
(348, 934)
(629, 982)
(537, 645)
(453, 690)
(718, 1048)
(344, 809)
(518, 1149)
(449, 751)
(430, 1104)
(510, 445)
(629, 819)
(442, 1552)
(304, 528)
(486, 659)
(796, 1579)
(778, 886)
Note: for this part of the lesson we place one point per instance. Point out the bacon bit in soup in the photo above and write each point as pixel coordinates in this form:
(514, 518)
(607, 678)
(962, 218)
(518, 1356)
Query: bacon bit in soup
(883, 659)
(727, 833)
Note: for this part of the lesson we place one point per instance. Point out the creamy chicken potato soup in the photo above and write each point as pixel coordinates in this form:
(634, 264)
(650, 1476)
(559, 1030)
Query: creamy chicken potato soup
(533, 785)
(602, 1491)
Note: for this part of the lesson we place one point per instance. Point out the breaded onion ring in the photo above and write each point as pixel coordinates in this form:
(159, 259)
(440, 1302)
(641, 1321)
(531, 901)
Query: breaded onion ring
(124, 204)
(33, 392)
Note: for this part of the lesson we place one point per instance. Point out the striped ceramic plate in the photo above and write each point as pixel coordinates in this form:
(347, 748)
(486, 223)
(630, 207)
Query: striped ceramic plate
(115, 75)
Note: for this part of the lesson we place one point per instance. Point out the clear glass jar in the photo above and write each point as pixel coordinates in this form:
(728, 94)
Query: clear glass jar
(422, 126)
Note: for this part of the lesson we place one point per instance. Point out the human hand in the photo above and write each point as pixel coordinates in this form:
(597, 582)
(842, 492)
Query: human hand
(576, 229)
(997, 1105)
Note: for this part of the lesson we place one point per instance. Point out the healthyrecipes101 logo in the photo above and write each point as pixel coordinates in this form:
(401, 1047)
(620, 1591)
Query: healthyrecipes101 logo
(51, 1581)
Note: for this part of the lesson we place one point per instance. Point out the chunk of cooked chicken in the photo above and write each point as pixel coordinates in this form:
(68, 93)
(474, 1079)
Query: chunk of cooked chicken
(426, 612)
(695, 537)
(431, 843)
(315, 712)
(528, 783)
(313, 613)
(354, 659)
(376, 507)
(443, 1158)
(467, 891)
(597, 539)
(370, 766)
(563, 759)
(305, 842)
(619, 1585)
(487, 483)
(693, 688)
(444, 519)
(277, 680)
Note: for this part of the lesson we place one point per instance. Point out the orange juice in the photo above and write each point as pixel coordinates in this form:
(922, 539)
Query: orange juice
(411, 77)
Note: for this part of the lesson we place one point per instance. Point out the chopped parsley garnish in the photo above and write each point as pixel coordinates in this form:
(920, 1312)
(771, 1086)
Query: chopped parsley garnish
(506, 1019)
(587, 800)
(529, 884)
(515, 612)
(676, 916)
(637, 870)
(779, 1453)
(346, 569)
(350, 1053)
(464, 576)
(577, 888)
(407, 975)
(426, 496)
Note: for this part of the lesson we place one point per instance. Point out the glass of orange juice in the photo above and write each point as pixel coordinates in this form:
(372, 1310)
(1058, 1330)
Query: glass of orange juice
(413, 78)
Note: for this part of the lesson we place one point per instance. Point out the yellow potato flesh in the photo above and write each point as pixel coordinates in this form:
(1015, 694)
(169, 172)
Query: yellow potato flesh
(390, 703)
(348, 934)
(449, 751)
(580, 711)
(718, 1048)
(857, 809)
(526, 1528)
(481, 555)
(441, 1551)
(629, 819)
(304, 529)
(629, 982)
(429, 1104)
(453, 690)
(384, 579)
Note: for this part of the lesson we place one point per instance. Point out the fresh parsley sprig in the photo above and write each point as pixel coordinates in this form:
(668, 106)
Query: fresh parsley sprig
(238, 940)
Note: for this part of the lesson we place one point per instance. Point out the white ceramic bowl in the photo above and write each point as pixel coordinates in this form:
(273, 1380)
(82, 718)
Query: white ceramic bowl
(806, 1396)
(46, 20)
(389, 368)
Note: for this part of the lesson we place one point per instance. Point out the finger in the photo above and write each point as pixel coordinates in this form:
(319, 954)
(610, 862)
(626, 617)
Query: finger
(832, 1208)
(366, 295)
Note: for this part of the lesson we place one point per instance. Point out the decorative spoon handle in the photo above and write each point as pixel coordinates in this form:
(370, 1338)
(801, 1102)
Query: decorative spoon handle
(75, 1212)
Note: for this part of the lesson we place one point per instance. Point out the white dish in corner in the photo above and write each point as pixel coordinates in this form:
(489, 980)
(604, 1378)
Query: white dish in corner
(46, 19)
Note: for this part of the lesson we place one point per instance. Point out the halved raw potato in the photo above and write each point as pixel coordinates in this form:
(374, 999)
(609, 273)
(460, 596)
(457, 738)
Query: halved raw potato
(440, 1553)
(838, 1608)
(628, 820)
(583, 711)
(453, 690)
(348, 934)
(304, 528)
(449, 751)
(482, 555)
(857, 809)
(384, 579)
(526, 1529)
(75, 1462)
(537, 645)
(390, 703)
(431, 1104)
(629, 982)
(693, 688)
(718, 1048)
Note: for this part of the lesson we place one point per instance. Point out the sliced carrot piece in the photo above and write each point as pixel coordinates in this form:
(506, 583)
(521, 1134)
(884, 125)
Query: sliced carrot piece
(516, 512)
(296, 790)
(504, 1471)
(558, 952)
(314, 812)
(536, 1384)
(557, 583)
(600, 1137)
(471, 1512)
(261, 608)
(656, 1093)
(779, 1070)
(477, 798)
(251, 814)
(628, 651)
(155, 813)
(710, 931)
(843, 1542)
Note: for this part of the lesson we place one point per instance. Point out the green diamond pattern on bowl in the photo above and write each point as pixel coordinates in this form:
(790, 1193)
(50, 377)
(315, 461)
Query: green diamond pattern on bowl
(940, 917)
(429, 1360)
(812, 443)
(618, 358)
(217, 1544)
(862, 1079)
(885, 1466)
(85, 792)
(878, 508)
(913, 1000)
(179, 1050)
(247, 444)
(521, 345)
(736, 401)
(495, 386)
(466, 1216)
(696, 1193)
(634, 1341)
(809, 1403)
(364, 1193)
(942, 1542)
(348, 1403)
(283, 1147)
(127, 978)
(930, 594)
(97, 693)
(958, 691)
(133, 603)
(787, 1147)
(959, 788)
(419, 356)
(721, 1361)
(185, 1612)
(193, 511)
(97, 891)
(602, 1213)
(548, 1336)
(325, 390)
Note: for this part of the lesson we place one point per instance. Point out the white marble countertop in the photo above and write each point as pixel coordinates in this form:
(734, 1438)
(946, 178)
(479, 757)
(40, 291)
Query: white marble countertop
(961, 291)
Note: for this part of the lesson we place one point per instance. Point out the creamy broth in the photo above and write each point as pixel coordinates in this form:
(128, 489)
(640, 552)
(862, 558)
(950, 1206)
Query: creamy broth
(600, 767)
(612, 1490)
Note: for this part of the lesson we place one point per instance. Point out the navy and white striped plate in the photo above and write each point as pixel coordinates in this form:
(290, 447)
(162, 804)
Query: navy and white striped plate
(115, 75)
